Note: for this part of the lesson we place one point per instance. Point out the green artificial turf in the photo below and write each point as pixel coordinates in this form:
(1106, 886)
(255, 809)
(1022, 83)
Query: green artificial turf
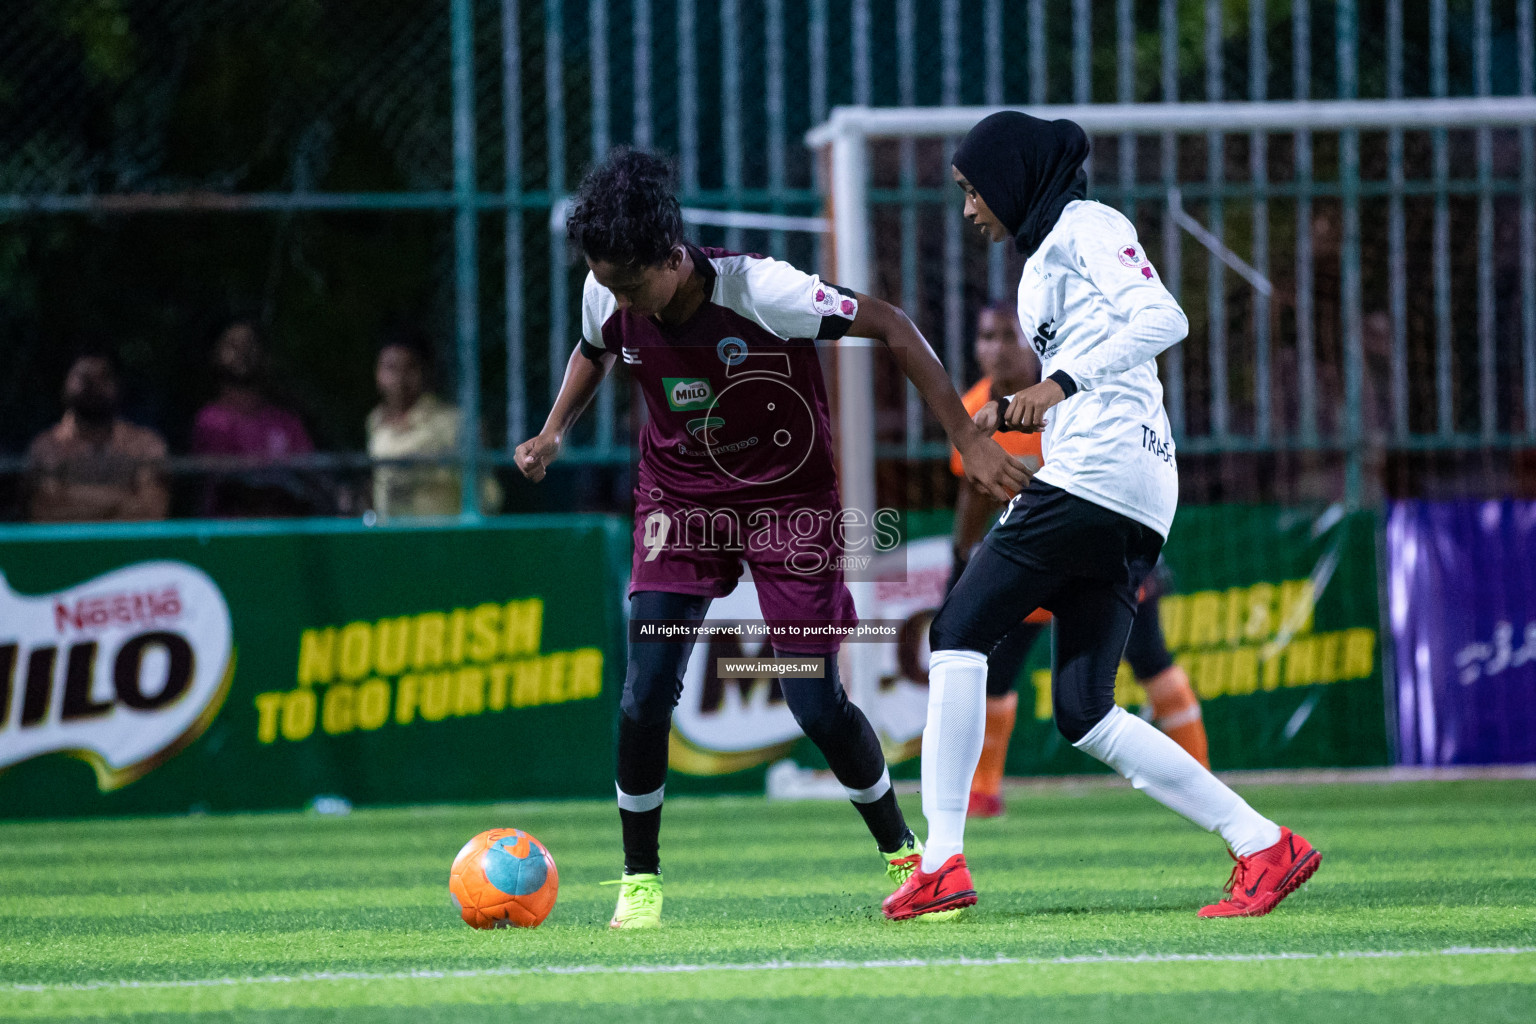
(1090, 891)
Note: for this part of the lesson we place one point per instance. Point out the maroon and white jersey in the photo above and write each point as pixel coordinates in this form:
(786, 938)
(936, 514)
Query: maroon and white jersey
(736, 395)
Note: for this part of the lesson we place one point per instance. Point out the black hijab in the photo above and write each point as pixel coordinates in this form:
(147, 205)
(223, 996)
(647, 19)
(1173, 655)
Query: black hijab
(1026, 170)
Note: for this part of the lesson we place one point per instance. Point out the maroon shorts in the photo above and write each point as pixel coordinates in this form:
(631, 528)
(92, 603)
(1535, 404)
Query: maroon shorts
(792, 550)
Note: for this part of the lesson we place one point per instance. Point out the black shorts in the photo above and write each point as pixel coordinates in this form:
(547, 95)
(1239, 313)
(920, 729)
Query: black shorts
(1049, 531)
(1080, 561)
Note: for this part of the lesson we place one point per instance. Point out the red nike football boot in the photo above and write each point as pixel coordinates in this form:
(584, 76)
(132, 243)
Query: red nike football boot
(1261, 880)
(943, 892)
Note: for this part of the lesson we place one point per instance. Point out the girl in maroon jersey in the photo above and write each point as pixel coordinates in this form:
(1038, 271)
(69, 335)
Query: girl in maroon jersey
(735, 470)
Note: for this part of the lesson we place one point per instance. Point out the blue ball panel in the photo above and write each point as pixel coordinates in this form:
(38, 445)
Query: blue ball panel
(513, 875)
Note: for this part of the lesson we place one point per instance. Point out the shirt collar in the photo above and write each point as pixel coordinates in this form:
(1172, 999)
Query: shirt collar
(704, 268)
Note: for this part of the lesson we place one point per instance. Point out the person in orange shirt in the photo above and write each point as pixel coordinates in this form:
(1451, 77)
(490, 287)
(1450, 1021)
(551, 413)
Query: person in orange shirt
(1008, 366)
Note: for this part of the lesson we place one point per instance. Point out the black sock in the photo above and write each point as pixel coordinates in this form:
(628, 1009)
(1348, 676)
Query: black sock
(642, 770)
(885, 821)
(642, 841)
(848, 742)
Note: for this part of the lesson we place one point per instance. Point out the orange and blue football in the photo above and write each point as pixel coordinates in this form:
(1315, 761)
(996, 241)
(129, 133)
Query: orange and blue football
(504, 878)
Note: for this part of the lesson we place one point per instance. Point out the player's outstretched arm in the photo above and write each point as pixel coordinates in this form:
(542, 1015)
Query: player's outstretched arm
(974, 511)
(582, 377)
(992, 470)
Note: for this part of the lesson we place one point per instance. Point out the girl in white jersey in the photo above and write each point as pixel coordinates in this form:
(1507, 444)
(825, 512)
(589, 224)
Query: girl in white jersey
(1084, 533)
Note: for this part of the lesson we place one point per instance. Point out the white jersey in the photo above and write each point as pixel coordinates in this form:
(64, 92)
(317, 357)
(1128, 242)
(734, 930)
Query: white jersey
(1093, 307)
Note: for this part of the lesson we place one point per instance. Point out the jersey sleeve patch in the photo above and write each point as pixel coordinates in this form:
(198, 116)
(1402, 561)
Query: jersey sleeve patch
(784, 300)
(824, 300)
(841, 309)
(1132, 258)
(1114, 259)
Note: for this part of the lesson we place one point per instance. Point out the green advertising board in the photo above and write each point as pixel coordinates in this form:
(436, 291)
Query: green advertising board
(176, 667)
(1275, 614)
(242, 666)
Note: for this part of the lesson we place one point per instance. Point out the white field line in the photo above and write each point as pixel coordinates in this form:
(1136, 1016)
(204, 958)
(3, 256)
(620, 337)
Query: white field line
(773, 965)
(821, 785)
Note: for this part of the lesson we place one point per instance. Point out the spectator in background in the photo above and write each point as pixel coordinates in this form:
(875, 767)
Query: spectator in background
(411, 422)
(93, 465)
(242, 421)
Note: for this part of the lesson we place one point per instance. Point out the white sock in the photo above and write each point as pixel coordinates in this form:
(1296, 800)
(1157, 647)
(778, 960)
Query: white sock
(957, 723)
(1166, 772)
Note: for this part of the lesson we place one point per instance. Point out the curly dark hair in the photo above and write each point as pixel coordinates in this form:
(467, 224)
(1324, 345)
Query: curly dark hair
(626, 211)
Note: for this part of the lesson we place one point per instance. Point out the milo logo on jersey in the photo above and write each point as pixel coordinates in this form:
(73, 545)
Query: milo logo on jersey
(121, 671)
(688, 393)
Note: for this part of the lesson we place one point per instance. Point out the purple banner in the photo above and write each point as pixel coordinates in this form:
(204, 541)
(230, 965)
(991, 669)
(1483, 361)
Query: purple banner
(1462, 587)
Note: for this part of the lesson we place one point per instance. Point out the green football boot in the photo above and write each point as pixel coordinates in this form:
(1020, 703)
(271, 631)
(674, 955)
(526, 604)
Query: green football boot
(639, 902)
(905, 859)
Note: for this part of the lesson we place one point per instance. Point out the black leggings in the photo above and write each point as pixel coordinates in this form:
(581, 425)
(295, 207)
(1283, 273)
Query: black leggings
(652, 686)
(1080, 561)
(1007, 659)
(654, 683)
(1146, 650)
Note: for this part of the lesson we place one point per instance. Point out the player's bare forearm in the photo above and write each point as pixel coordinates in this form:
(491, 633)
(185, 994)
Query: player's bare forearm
(582, 379)
(583, 376)
(987, 466)
(884, 322)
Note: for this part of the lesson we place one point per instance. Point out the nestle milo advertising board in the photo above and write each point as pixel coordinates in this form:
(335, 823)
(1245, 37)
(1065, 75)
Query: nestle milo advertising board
(246, 668)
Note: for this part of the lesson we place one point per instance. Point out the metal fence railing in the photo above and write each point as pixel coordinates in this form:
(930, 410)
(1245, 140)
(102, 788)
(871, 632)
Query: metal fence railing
(335, 166)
